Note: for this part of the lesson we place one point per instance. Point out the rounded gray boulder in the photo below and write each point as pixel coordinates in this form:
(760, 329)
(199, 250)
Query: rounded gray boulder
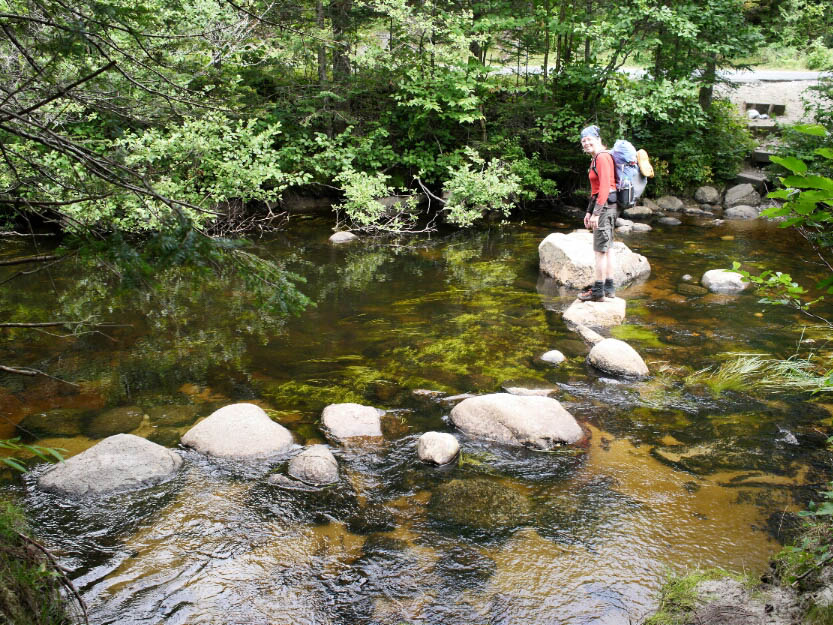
(343, 237)
(351, 423)
(119, 463)
(741, 211)
(617, 358)
(239, 431)
(742, 194)
(723, 281)
(315, 465)
(707, 195)
(670, 203)
(527, 421)
(437, 447)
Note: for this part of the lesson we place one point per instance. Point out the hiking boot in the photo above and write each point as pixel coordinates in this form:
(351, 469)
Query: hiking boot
(594, 293)
(609, 289)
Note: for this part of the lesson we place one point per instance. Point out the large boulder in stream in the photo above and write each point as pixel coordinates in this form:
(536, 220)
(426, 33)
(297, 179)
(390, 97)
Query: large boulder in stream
(119, 463)
(617, 358)
(528, 421)
(239, 431)
(352, 423)
(569, 258)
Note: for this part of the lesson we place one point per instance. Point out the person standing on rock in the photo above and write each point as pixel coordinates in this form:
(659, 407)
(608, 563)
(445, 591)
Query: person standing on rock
(600, 217)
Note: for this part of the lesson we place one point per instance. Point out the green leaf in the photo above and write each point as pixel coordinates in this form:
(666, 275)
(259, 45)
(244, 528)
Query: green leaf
(815, 130)
(808, 182)
(14, 464)
(825, 152)
(779, 194)
(795, 165)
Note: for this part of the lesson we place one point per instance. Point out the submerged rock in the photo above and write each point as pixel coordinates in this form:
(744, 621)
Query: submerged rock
(638, 212)
(610, 312)
(617, 358)
(692, 290)
(641, 228)
(351, 423)
(114, 421)
(315, 465)
(535, 422)
(343, 237)
(478, 504)
(172, 415)
(723, 281)
(437, 447)
(670, 221)
(62, 422)
(119, 463)
(568, 259)
(240, 431)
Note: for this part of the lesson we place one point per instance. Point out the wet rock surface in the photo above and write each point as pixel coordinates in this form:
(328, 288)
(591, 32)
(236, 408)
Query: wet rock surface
(568, 258)
(119, 463)
(535, 422)
(239, 431)
(610, 312)
(437, 447)
(723, 281)
(114, 421)
(315, 465)
(617, 358)
(351, 423)
(58, 422)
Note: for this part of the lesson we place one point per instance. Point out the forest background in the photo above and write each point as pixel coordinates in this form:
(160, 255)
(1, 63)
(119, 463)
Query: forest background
(153, 133)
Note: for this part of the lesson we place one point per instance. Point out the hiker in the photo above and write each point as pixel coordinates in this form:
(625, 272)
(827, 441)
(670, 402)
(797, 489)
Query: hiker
(600, 217)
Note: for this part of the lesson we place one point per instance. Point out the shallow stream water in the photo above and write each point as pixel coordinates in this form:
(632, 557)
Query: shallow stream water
(675, 475)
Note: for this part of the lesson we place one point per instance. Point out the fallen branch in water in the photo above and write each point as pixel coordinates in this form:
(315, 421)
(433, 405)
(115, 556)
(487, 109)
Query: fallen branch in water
(22, 260)
(33, 372)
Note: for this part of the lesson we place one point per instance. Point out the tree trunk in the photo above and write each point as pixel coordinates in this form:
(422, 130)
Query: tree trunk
(546, 39)
(340, 17)
(589, 8)
(707, 88)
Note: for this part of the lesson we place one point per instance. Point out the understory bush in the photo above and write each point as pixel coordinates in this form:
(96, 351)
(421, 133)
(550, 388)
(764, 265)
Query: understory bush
(30, 584)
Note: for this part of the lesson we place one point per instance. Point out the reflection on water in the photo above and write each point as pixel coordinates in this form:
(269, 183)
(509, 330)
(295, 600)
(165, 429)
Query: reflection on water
(673, 476)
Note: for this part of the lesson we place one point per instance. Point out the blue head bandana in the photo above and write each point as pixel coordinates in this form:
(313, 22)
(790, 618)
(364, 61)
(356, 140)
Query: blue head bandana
(591, 131)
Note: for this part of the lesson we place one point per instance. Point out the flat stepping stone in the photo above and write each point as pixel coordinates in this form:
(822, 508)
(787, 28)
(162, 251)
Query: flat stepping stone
(351, 423)
(119, 463)
(605, 314)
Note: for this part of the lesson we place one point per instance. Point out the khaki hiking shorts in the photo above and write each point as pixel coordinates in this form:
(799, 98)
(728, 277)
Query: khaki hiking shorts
(603, 234)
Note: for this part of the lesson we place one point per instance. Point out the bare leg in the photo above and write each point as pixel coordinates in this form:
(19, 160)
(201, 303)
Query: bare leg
(608, 269)
(600, 266)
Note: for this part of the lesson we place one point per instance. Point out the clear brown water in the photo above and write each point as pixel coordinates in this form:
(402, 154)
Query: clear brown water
(461, 313)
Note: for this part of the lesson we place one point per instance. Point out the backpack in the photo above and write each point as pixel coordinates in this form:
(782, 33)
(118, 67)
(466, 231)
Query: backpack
(630, 179)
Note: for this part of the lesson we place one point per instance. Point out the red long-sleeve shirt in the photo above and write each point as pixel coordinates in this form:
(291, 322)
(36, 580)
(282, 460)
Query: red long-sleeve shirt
(602, 180)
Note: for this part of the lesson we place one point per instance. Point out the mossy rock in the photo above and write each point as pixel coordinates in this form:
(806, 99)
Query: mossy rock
(173, 415)
(167, 437)
(114, 421)
(478, 504)
(728, 454)
(691, 290)
(61, 422)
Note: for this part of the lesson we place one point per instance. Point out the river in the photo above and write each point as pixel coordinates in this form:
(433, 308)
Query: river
(676, 474)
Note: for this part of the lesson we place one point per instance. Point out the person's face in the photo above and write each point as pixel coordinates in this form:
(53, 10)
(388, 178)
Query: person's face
(591, 145)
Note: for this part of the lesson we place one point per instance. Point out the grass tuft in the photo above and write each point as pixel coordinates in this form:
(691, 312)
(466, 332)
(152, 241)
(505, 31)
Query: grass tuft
(755, 372)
